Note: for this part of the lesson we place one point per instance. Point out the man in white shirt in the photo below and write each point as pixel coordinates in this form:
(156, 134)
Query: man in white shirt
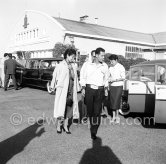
(116, 81)
(83, 68)
(89, 59)
(95, 79)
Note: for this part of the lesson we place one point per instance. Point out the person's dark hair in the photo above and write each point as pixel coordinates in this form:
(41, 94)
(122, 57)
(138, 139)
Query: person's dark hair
(113, 57)
(69, 52)
(5, 54)
(92, 52)
(98, 50)
(10, 55)
(13, 57)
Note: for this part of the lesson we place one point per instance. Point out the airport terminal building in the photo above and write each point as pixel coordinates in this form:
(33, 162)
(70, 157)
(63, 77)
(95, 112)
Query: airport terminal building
(37, 33)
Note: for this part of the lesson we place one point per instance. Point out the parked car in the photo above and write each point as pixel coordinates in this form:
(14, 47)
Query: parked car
(146, 86)
(37, 72)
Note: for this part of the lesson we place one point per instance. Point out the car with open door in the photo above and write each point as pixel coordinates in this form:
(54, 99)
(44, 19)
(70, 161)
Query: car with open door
(146, 86)
(37, 72)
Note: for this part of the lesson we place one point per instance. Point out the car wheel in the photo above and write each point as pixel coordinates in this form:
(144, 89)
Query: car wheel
(18, 83)
(49, 89)
(125, 109)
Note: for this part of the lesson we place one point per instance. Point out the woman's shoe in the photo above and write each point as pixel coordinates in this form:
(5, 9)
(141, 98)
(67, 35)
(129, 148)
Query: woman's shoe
(117, 121)
(66, 130)
(113, 120)
(60, 131)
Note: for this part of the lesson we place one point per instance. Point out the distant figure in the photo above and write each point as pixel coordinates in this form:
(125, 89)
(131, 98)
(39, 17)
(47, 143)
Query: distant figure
(20, 59)
(5, 57)
(13, 57)
(10, 71)
(161, 74)
(99, 154)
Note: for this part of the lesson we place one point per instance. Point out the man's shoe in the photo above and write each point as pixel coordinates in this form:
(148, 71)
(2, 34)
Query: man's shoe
(93, 136)
(84, 120)
(66, 130)
(5, 89)
(75, 121)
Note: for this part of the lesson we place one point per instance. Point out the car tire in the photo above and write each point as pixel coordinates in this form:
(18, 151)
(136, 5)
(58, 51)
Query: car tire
(125, 109)
(49, 89)
(18, 81)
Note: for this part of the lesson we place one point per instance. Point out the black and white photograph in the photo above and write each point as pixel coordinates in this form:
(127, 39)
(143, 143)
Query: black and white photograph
(82, 81)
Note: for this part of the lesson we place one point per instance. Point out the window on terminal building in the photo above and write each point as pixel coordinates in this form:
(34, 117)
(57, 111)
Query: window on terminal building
(34, 33)
(133, 52)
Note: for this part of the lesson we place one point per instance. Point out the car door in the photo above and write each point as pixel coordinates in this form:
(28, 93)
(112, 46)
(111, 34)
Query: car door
(45, 72)
(141, 89)
(32, 73)
(160, 98)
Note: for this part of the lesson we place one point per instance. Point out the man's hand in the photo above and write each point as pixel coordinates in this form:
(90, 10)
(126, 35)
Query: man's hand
(111, 80)
(106, 92)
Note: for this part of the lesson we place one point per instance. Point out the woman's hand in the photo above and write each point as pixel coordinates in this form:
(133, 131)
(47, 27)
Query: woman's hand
(106, 92)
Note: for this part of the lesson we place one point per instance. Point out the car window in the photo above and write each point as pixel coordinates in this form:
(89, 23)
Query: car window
(135, 73)
(161, 74)
(32, 64)
(53, 64)
(143, 73)
(44, 64)
(147, 73)
(29, 64)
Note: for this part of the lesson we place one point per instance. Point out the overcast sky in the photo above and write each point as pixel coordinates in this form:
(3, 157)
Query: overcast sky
(147, 16)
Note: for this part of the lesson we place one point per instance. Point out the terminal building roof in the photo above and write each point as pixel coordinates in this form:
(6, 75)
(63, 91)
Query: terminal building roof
(112, 33)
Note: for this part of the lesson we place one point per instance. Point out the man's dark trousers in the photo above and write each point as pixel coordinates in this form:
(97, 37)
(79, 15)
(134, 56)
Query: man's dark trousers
(10, 71)
(7, 77)
(94, 98)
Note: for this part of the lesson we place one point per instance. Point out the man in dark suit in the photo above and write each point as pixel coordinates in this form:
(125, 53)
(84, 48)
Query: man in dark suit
(10, 71)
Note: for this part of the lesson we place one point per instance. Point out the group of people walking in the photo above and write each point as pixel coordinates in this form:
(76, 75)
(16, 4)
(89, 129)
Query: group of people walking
(97, 83)
(8, 70)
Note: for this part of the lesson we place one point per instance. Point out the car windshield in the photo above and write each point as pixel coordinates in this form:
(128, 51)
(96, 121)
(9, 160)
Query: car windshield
(48, 64)
(32, 64)
(143, 73)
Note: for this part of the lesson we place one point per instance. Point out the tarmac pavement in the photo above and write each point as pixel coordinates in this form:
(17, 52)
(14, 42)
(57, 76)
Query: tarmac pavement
(28, 135)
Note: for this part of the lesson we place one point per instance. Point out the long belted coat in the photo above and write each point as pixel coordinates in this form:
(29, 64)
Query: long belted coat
(62, 76)
(61, 82)
(76, 88)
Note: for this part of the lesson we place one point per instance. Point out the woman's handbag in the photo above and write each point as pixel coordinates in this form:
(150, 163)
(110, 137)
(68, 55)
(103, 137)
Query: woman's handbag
(69, 101)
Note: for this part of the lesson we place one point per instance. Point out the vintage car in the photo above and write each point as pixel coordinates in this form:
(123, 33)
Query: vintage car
(146, 86)
(37, 72)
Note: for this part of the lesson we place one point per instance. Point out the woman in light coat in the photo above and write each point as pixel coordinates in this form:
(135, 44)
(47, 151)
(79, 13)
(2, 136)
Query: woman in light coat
(76, 89)
(64, 90)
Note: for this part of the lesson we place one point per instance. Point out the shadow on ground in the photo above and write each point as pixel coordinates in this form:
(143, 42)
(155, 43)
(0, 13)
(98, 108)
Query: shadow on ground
(16, 143)
(99, 154)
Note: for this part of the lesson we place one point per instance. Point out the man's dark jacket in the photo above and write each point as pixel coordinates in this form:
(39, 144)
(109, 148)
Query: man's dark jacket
(10, 66)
